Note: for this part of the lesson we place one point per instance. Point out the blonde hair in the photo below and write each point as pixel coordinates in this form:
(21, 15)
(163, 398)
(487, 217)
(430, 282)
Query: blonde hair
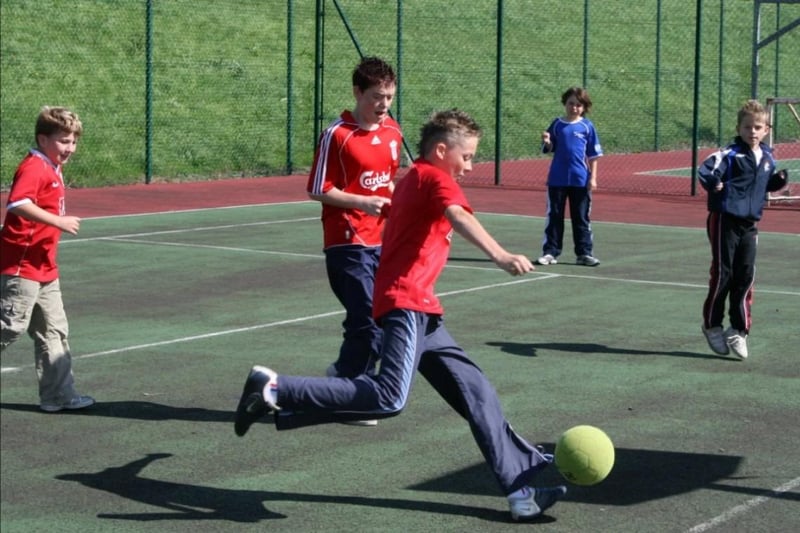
(58, 120)
(751, 108)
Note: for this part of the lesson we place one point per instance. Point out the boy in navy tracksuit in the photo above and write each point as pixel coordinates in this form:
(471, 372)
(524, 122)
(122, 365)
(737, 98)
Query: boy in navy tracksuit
(737, 179)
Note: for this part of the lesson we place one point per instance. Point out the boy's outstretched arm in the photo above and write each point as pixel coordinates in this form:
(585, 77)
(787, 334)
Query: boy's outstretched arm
(466, 225)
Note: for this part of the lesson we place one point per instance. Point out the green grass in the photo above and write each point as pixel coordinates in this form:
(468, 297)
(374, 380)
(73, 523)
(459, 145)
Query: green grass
(222, 106)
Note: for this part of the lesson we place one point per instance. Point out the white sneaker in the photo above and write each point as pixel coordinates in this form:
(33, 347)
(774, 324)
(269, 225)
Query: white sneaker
(530, 502)
(716, 339)
(737, 342)
(547, 259)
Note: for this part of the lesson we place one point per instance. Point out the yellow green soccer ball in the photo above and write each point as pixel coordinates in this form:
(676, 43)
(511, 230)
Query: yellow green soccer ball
(584, 455)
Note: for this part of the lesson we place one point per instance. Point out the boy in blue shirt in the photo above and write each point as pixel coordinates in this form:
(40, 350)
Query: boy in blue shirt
(573, 141)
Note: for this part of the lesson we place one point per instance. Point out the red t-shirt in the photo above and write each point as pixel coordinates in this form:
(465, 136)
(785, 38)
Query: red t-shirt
(355, 161)
(28, 249)
(416, 240)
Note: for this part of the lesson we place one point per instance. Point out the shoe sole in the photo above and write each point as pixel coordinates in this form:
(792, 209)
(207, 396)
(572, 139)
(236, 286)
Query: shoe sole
(57, 408)
(362, 423)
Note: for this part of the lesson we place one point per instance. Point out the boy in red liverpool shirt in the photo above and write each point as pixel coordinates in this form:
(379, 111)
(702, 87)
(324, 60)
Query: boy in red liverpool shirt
(356, 160)
(31, 294)
(427, 206)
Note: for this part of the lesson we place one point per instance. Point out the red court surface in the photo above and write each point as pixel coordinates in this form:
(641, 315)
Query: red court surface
(666, 210)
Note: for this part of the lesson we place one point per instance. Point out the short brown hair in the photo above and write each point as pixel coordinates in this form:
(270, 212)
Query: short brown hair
(58, 120)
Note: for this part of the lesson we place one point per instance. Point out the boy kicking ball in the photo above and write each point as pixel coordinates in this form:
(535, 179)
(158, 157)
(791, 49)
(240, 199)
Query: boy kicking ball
(737, 179)
(427, 206)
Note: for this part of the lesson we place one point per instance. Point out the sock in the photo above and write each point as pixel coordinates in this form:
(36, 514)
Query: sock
(270, 393)
(520, 494)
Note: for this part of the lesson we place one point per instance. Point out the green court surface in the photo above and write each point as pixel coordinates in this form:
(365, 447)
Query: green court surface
(169, 311)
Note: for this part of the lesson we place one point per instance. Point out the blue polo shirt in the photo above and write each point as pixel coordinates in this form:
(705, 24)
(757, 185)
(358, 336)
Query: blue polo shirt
(573, 145)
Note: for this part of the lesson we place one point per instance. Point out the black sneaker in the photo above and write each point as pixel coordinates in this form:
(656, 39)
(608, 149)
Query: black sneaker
(252, 405)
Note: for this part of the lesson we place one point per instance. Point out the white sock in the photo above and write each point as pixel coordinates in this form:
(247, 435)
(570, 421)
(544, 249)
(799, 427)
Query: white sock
(270, 393)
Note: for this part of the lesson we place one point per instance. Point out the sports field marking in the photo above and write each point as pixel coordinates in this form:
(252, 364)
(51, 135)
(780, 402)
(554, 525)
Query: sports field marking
(316, 218)
(743, 508)
(680, 172)
(210, 247)
(671, 283)
(539, 277)
(198, 210)
(255, 327)
(191, 230)
(629, 280)
(466, 267)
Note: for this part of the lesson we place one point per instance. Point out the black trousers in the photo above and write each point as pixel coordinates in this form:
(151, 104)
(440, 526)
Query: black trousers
(733, 268)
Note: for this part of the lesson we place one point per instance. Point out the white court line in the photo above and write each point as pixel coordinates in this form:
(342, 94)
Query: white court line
(629, 280)
(255, 327)
(278, 204)
(634, 224)
(743, 508)
(190, 230)
(128, 238)
(210, 247)
(506, 284)
(319, 256)
(670, 284)
(199, 209)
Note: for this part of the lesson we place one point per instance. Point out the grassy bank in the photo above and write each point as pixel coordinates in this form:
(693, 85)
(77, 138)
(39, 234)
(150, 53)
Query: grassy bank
(223, 106)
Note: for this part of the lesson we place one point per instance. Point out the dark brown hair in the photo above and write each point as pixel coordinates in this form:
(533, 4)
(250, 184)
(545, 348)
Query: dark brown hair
(372, 71)
(581, 94)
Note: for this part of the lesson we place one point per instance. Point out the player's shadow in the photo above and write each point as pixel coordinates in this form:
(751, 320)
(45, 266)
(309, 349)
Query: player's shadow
(529, 349)
(638, 476)
(138, 410)
(183, 501)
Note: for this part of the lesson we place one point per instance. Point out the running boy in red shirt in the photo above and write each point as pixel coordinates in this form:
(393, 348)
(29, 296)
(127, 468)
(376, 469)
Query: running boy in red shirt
(31, 294)
(427, 206)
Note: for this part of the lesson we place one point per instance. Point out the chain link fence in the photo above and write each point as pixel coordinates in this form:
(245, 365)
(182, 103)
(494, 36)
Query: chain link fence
(201, 89)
